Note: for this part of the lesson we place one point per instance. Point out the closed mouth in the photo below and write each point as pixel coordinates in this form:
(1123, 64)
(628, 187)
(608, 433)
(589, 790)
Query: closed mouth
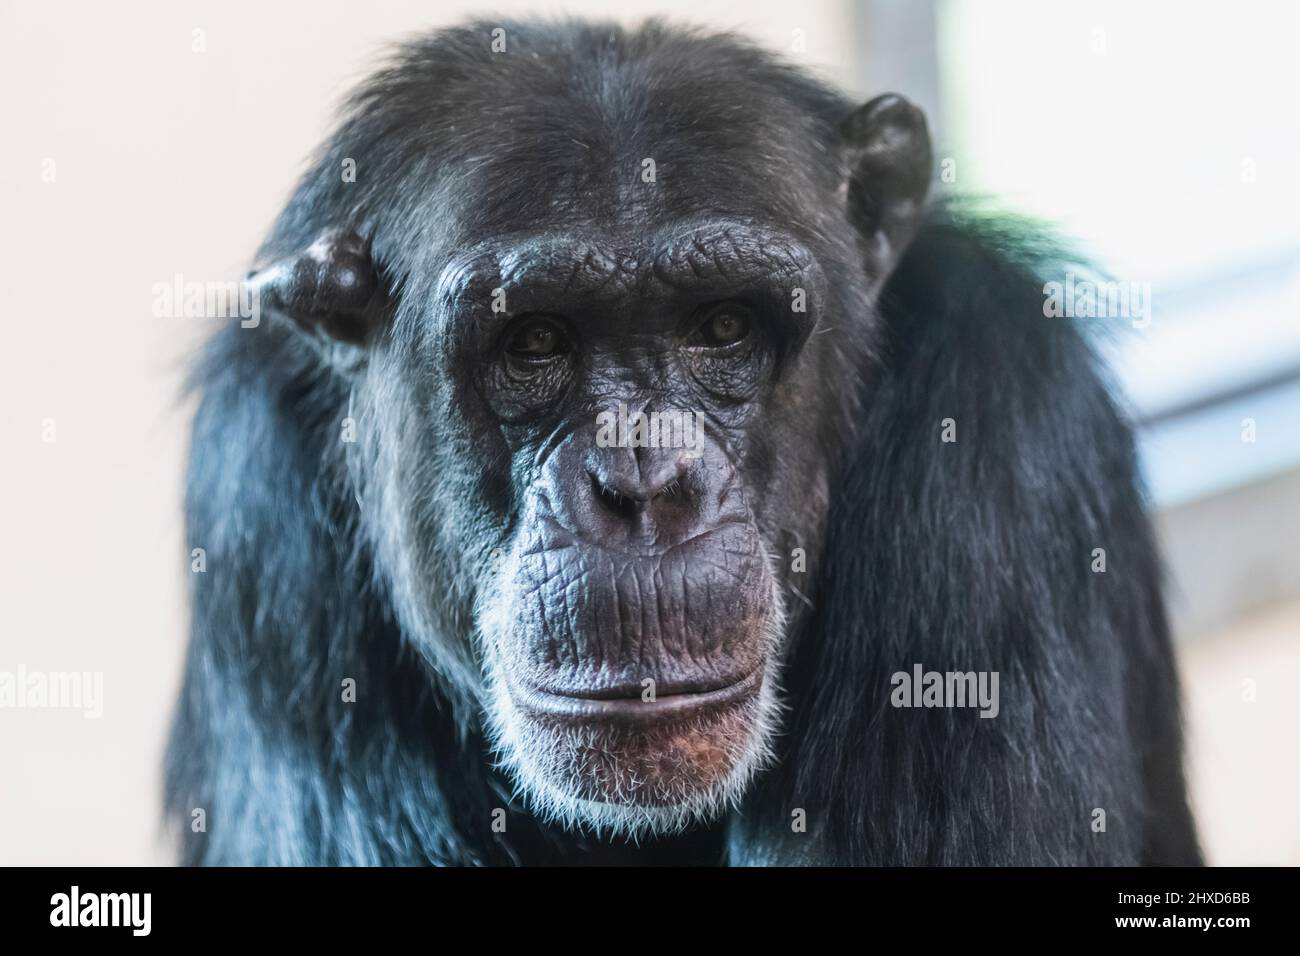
(627, 706)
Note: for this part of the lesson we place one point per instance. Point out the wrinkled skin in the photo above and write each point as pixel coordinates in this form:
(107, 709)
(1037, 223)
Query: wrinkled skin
(641, 604)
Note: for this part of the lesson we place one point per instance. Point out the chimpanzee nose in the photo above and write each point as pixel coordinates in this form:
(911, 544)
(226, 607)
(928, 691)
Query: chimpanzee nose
(628, 481)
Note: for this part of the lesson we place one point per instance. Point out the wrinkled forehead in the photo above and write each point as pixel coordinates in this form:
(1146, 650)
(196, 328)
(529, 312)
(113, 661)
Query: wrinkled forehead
(628, 172)
(728, 257)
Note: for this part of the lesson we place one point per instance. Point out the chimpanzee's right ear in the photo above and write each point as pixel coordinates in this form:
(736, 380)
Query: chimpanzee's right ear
(331, 290)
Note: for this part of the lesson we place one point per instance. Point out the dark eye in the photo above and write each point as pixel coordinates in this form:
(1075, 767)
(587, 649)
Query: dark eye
(725, 324)
(538, 338)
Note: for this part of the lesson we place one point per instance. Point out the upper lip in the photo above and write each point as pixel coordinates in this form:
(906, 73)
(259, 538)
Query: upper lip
(634, 545)
(625, 704)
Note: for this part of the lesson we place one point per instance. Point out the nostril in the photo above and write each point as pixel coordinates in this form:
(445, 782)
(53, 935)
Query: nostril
(615, 501)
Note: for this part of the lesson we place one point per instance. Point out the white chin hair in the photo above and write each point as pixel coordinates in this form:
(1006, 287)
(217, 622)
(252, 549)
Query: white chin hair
(535, 758)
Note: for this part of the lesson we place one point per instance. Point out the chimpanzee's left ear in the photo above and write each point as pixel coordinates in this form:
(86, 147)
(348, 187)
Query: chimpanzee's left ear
(330, 290)
(889, 165)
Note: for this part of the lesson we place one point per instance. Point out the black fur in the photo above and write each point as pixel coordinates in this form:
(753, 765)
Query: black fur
(978, 554)
(972, 555)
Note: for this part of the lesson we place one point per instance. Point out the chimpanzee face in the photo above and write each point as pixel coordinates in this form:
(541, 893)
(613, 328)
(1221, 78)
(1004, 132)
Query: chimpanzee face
(630, 401)
(631, 633)
(595, 435)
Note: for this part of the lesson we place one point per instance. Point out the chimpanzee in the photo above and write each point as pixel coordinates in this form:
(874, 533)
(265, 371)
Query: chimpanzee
(635, 465)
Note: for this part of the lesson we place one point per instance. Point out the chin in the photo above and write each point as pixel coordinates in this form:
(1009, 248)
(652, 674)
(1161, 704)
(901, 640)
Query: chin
(632, 768)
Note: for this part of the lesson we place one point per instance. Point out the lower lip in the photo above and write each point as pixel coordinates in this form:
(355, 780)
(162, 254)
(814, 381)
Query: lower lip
(634, 710)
